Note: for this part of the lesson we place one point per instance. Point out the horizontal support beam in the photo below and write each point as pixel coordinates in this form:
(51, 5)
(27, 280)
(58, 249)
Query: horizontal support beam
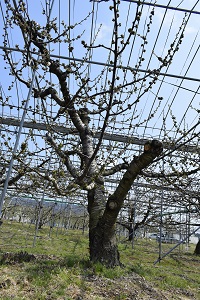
(107, 136)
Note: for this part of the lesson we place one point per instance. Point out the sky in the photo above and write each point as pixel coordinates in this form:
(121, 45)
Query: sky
(180, 97)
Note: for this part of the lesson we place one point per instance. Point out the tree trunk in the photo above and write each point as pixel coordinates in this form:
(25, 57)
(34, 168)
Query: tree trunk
(197, 249)
(103, 212)
(103, 245)
(102, 237)
(130, 234)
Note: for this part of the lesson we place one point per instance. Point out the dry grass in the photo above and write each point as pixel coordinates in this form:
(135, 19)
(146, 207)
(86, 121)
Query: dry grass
(58, 267)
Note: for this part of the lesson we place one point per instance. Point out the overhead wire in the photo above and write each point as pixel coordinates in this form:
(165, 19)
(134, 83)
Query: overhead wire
(92, 33)
(186, 58)
(11, 106)
(178, 145)
(166, 39)
(128, 12)
(190, 50)
(33, 77)
(11, 55)
(185, 26)
(178, 86)
(194, 79)
(123, 121)
(128, 61)
(110, 128)
(177, 90)
(156, 40)
(133, 43)
(133, 129)
(165, 6)
(147, 67)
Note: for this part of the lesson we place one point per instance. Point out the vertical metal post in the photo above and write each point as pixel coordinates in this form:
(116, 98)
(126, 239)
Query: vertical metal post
(38, 219)
(186, 231)
(159, 259)
(69, 217)
(16, 143)
(133, 223)
(20, 127)
(180, 230)
(84, 217)
(161, 222)
(41, 206)
(189, 221)
(52, 220)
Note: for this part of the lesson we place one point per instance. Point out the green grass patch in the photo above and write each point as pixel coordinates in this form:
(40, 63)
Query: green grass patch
(59, 264)
(112, 273)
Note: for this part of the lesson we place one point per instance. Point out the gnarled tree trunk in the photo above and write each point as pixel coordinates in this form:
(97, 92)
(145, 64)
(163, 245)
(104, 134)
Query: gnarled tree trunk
(102, 238)
(197, 249)
(103, 214)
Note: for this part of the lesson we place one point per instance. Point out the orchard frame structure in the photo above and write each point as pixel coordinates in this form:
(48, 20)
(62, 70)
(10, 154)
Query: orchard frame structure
(139, 140)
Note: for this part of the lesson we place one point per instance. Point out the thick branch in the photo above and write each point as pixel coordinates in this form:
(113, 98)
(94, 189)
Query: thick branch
(50, 91)
(115, 169)
(23, 170)
(151, 151)
(116, 200)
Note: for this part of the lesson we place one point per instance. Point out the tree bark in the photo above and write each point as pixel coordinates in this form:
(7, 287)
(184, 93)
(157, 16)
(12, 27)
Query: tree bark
(197, 249)
(103, 245)
(102, 237)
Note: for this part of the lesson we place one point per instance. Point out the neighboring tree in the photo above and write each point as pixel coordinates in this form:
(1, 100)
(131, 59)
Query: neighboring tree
(147, 216)
(197, 249)
(82, 164)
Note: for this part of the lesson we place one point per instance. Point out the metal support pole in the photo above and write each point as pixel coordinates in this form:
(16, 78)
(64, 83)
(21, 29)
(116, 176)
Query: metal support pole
(20, 126)
(161, 222)
(39, 217)
(16, 143)
(133, 223)
(160, 258)
(41, 206)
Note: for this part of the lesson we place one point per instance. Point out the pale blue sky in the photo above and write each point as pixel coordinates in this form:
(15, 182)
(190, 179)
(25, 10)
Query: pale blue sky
(184, 63)
(177, 102)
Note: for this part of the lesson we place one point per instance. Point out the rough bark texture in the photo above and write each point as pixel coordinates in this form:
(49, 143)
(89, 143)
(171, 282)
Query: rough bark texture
(197, 249)
(103, 245)
(102, 239)
(96, 205)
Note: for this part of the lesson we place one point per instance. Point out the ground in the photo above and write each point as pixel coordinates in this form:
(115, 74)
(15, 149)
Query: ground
(81, 287)
(131, 287)
(57, 267)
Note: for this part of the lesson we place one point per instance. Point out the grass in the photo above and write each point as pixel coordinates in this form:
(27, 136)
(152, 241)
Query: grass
(179, 270)
(59, 264)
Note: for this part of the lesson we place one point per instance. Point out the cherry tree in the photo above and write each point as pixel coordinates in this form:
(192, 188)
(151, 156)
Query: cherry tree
(87, 105)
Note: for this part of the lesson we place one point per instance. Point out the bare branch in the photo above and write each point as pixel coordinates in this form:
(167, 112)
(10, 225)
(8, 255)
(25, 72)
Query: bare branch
(172, 174)
(49, 91)
(63, 155)
(115, 169)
